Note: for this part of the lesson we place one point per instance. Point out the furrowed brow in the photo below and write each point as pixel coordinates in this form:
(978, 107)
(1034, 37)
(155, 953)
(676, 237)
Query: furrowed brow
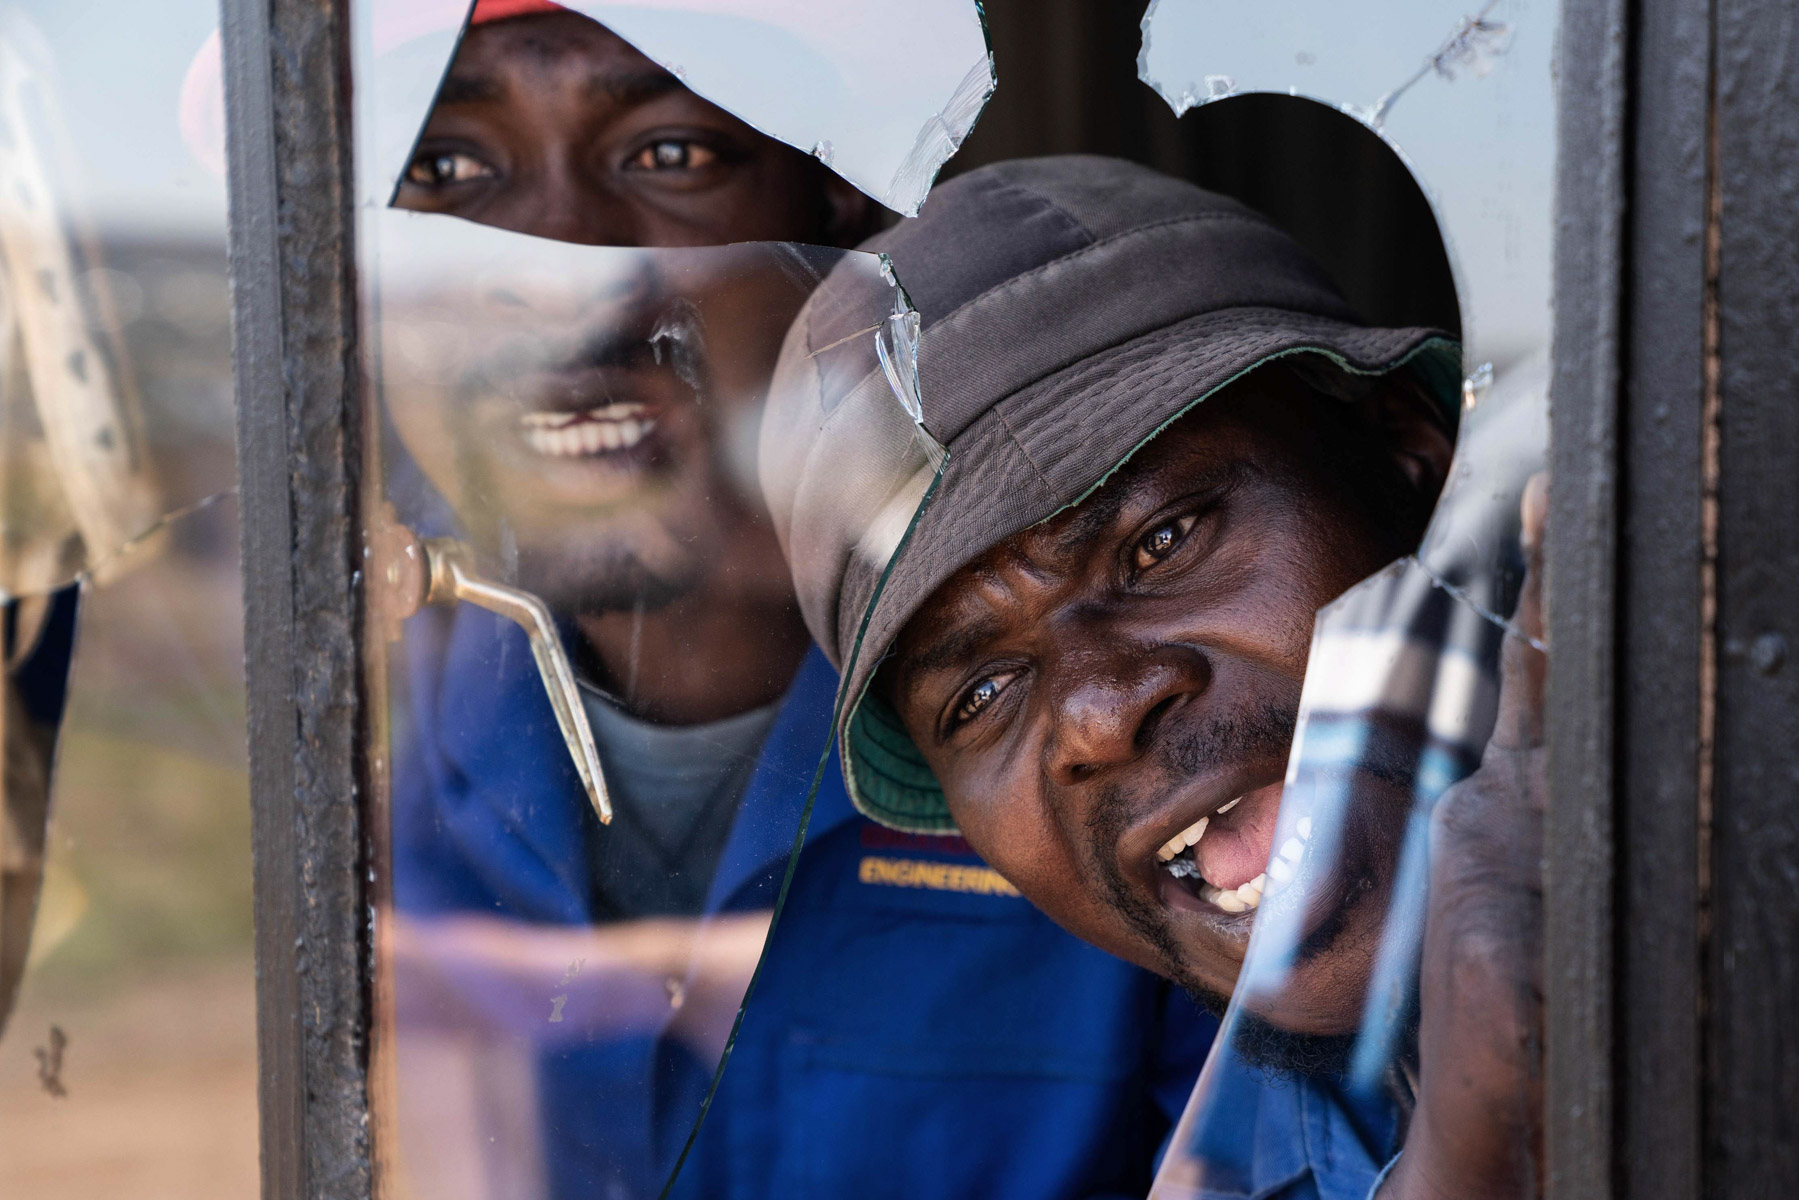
(952, 649)
(1092, 517)
(1100, 511)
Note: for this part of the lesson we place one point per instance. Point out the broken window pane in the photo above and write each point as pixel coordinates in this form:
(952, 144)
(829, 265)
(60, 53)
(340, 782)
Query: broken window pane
(1465, 95)
(580, 422)
(617, 492)
(558, 990)
(708, 110)
(1412, 796)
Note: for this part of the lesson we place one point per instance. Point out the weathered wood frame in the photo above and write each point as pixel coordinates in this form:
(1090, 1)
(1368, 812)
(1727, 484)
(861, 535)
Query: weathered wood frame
(1672, 961)
(287, 77)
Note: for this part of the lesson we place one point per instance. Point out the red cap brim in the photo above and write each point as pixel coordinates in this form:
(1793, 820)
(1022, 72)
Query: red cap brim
(500, 10)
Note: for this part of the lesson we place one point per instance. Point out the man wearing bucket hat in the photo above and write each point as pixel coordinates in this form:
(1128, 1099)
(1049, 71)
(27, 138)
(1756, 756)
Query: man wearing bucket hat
(1169, 443)
(876, 997)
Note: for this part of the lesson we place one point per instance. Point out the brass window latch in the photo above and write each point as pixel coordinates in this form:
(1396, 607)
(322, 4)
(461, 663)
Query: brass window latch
(409, 572)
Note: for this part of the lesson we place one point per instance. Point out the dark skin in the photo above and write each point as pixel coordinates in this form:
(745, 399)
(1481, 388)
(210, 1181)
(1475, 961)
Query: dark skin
(1141, 658)
(1097, 683)
(553, 126)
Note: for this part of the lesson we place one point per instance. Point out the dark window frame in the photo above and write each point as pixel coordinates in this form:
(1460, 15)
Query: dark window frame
(294, 356)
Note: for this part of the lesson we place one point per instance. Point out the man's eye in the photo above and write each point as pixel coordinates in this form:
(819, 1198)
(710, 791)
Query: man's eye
(672, 154)
(975, 701)
(445, 169)
(1160, 542)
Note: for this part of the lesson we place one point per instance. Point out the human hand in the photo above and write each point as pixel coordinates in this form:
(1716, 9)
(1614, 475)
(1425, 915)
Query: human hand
(1477, 1128)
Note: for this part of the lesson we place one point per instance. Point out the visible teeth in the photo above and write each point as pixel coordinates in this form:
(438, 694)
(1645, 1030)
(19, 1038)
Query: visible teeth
(1281, 868)
(1238, 899)
(596, 431)
(1187, 837)
(1230, 902)
(558, 420)
(555, 443)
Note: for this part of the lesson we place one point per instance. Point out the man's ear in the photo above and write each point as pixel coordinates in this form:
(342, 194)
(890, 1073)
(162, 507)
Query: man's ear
(1415, 431)
(851, 216)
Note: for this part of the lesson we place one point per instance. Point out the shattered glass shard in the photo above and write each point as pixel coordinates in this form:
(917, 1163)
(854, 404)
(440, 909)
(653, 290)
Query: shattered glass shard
(1476, 146)
(896, 349)
(893, 109)
(592, 423)
(1473, 46)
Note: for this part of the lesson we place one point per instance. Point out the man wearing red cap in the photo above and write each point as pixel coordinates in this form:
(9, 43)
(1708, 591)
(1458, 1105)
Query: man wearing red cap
(904, 1039)
(557, 127)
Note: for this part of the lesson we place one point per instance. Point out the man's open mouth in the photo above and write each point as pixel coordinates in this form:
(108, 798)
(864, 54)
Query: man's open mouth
(1180, 856)
(614, 428)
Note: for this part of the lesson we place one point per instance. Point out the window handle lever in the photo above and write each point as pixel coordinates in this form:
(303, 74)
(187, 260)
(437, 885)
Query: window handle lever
(416, 572)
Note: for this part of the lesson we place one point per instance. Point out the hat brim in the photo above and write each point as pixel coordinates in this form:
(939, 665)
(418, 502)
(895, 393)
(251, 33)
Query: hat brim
(1049, 446)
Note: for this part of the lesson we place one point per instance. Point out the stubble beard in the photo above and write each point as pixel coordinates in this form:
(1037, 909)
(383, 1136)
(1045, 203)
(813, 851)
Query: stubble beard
(1261, 733)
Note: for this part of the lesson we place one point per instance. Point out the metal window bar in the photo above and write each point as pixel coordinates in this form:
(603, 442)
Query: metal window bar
(1673, 838)
(294, 322)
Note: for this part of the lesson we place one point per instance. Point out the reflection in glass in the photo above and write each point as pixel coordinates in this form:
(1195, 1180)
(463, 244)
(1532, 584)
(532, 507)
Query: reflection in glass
(109, 261)
(582, 424)
(127, 1061)
(139, 961)
(73, 478)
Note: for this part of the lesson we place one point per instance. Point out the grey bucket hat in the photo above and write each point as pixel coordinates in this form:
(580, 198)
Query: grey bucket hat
(1071, 308)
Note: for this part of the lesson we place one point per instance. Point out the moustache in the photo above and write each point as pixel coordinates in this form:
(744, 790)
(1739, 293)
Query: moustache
(1258, 731)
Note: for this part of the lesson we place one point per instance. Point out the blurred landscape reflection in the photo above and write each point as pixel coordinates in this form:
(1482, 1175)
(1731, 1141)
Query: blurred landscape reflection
(128, 1063)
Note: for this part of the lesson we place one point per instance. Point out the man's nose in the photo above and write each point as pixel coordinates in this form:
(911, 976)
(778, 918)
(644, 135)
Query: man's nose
(565, 207)
(1111, 702)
